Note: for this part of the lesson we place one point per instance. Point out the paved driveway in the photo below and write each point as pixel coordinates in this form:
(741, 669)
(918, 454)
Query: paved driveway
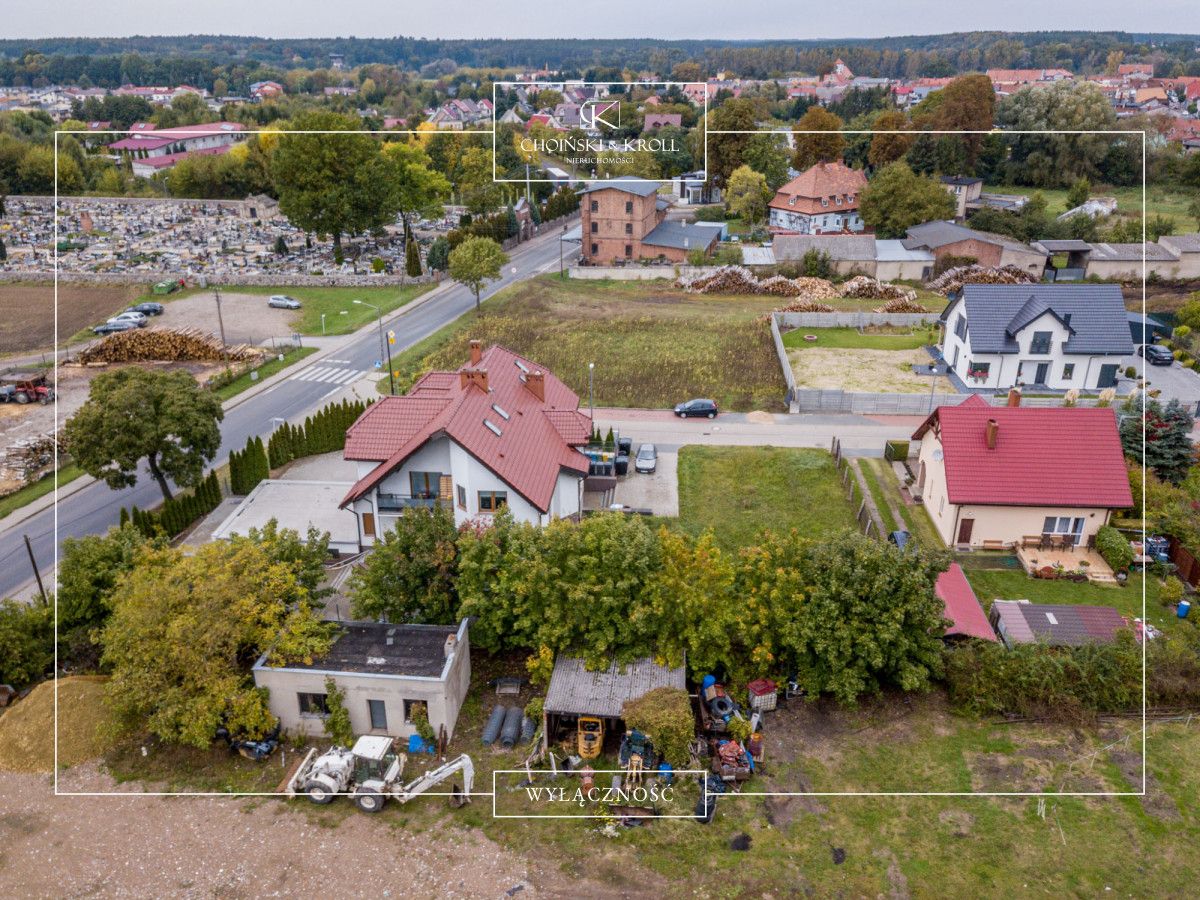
(1175, 382)
(658, 491)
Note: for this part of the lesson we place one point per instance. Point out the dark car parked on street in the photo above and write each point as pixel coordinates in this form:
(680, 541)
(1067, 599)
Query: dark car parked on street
(704, 408)
(147, 309)
(1156, 354)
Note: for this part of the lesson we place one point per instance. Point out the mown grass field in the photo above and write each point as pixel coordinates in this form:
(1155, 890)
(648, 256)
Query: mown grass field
(273, 365)
(1168, 200)
(342, 314)
(739, 491)
(876, 338)
(652, 344)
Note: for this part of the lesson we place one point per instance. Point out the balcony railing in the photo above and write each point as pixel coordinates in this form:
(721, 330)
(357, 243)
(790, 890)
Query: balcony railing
(396, 502)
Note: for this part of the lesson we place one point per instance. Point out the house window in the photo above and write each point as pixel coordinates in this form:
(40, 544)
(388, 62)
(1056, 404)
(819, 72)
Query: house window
(1068, 371)
(595, 249)
(595, 227)
(824, 201)
(595, 206)
(410, 706)
(978, 370)
(492, 501)
(378, 711)
(629, 251)
(1040, 343)
(312, 704)
(629, 228)
(460, 494)
(424, 484)
(960, 327)
(628, 206)
(837, 198)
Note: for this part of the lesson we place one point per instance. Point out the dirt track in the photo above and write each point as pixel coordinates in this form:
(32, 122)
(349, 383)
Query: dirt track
(208, 847)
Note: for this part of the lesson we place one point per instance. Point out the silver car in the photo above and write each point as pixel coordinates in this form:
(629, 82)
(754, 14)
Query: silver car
(646, 460)
(137, 318)
(283, 301)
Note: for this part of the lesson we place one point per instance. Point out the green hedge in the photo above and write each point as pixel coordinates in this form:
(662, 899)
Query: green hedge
(178, 513)
(1114, 547)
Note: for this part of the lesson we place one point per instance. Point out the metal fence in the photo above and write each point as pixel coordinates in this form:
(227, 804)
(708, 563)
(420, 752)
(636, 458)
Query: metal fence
(851, 319)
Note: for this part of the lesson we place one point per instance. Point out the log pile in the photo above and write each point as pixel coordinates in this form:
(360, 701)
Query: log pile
(166, 344)
(862, 287)
(901, 305)
(27, 459)
(952, 280)
(740, 280)
(806, 306)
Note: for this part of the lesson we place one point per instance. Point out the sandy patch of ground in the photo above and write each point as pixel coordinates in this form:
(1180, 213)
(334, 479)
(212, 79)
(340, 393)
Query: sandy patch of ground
(247, 318)
(887, 371)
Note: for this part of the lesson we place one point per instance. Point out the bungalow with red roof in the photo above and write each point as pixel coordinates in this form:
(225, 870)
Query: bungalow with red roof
(991, 476)
(498, 433)
(820, 200)
(966, 615)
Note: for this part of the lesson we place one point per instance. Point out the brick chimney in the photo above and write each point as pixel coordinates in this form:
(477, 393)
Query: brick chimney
(477, 377)
(1014, 396)
(991, 432)
(476, 352)
(536, 382)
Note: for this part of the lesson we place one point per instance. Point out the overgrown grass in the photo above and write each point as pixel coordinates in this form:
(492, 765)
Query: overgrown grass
(1168, 200)
(739, 491)
(39, 488)
(915, 518)
(342, 314)
(274, 364)
(869, 339)
(872, 477)
(652, 344)
(990, 584)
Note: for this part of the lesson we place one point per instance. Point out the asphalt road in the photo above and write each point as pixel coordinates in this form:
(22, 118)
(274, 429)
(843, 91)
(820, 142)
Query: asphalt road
(94, 509)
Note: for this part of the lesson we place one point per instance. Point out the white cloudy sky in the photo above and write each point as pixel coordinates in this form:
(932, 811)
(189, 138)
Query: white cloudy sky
(784, 19)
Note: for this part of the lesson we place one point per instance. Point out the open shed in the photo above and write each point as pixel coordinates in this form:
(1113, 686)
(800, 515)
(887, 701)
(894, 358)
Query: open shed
(575, 692)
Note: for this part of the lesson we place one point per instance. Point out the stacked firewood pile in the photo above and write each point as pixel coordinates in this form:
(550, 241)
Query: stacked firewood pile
(952, 280)
(170, 344)
(26, 460)
(863, 287)
(806, 306)
(901, 305)
(740, 280)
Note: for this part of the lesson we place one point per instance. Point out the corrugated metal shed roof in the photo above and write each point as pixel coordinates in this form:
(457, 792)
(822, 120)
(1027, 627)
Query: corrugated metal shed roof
(576, 691)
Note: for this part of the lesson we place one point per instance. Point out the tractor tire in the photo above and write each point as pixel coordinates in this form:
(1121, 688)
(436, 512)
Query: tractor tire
(369, 800)
(721, 707)
(21, 397)
(318, 793)
(44, 399)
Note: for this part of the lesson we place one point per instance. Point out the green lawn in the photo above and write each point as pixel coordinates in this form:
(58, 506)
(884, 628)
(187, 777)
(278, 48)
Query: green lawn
(653, 345)
(872, 477)
(878, 338)
(342, 314)
(1167, 200)
(39, 488)
(738, 491)
(916, 520)
(273, 365)
(990, 584)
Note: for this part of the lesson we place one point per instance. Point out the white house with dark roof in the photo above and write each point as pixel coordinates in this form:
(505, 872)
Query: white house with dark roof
(499, 433)
(1058, 336)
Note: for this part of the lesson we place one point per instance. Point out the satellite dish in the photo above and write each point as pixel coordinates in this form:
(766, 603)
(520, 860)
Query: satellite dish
(938, 455)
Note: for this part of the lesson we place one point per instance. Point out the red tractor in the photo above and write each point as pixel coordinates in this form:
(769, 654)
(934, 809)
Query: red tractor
(25, 387)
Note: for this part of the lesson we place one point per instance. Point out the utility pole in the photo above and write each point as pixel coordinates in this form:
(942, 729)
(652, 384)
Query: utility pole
(36, 573)
(221, 323)
(391, 338)
(591, 393)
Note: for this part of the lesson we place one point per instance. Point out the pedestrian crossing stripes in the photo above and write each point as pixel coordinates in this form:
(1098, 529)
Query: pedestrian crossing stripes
(328, 374)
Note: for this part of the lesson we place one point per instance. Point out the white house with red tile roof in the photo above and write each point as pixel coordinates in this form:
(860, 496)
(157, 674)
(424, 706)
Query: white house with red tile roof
(990, 476)
(820, 200)
(500, 432)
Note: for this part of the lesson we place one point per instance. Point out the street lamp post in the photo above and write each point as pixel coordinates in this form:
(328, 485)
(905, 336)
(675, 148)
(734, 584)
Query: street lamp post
(591, 393)
(560, 251)
(933, 370)
(384, 347)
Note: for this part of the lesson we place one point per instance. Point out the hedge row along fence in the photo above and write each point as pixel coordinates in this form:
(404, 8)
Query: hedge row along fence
(176, 514)
(322, 432)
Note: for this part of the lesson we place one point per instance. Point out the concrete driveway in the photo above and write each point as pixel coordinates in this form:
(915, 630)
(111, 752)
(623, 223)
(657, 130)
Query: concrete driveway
(658, 491)
(1175, 382)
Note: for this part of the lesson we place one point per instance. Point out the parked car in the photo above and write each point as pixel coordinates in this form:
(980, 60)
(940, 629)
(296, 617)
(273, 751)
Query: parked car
(114, 326)
(147, 309)
(704, 408)
(283, 301)
(1156, 354)
(646, 460)
(137, 318)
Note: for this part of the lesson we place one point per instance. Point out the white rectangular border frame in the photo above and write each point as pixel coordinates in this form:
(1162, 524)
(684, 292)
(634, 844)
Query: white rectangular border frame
(496, 815)
(1040, 794)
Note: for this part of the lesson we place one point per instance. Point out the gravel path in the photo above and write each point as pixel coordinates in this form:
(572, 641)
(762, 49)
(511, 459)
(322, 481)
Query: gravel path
(208, 847)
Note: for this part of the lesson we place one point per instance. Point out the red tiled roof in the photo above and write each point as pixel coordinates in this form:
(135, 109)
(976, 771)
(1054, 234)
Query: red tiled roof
(169, 159)
(1044, 456)
(537, 440)
(962, 606)
(822, 181)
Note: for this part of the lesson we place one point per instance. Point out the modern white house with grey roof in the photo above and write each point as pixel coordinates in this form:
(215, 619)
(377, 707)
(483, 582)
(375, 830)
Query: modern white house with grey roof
(1056, 336)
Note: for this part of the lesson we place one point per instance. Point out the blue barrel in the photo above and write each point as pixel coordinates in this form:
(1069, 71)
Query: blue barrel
(491, 730)
(1185, 606)
(512, 727)
(708, 682)
(666, 772)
